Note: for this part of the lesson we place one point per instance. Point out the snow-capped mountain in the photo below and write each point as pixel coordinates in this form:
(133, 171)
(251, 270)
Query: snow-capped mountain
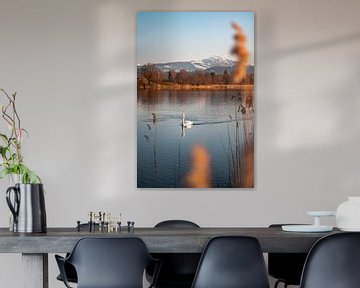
(213, 61)
(193, 65)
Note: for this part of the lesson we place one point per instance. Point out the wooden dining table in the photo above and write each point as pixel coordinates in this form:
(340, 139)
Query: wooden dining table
(35, 247)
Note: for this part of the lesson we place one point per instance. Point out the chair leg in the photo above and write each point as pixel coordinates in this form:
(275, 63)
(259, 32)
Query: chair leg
(278, 282)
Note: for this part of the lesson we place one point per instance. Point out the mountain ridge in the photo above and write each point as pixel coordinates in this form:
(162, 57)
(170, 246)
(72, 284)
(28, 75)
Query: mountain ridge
(215, 64)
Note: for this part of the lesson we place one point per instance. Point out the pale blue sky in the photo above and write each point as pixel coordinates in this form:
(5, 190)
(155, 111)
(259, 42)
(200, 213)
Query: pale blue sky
(176, 36)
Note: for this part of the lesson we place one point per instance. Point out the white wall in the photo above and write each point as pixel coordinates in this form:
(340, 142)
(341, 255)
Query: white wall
(73, 65)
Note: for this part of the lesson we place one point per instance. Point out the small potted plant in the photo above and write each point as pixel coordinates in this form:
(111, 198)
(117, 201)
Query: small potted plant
(11, 159)
(26, 198)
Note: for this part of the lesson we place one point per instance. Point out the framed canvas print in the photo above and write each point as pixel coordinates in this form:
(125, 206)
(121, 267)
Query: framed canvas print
(195, 100)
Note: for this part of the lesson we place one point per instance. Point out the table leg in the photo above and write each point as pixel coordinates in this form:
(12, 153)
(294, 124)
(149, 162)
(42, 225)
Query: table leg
(35, 270)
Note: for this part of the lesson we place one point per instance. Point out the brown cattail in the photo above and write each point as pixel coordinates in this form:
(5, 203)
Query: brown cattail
(200, 174)
(241, 51)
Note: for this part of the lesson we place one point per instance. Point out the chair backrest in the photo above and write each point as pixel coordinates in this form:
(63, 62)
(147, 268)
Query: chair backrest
(176, 224)
(110, 262)
(232, 262)
(333, 262)
(286, 267)
(178, 269)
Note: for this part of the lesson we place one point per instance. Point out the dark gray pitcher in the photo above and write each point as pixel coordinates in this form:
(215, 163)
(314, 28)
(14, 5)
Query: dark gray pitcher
(28, 207)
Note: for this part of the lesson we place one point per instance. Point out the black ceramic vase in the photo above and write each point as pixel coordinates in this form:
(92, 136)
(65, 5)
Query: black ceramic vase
(27, 204)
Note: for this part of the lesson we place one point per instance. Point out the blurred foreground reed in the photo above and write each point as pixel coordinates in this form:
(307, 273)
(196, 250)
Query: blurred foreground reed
(200, 173)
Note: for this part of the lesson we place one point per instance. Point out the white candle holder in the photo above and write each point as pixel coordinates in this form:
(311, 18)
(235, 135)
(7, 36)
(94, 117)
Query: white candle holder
(316, 227)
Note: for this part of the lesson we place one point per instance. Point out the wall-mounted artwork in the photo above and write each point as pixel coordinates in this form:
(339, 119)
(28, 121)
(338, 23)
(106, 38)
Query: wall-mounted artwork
(195, 100)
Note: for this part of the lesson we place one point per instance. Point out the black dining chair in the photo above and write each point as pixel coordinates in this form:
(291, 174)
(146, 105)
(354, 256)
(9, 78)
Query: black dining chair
(333, 262)
(232, 262)
(108, 263)
(70, 271)
(178, 269)
(286, 267)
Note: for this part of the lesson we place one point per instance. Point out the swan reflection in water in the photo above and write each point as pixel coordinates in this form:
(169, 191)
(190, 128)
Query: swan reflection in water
(185, 124)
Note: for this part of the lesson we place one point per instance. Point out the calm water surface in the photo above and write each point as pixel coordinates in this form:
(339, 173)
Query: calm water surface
(221, 125)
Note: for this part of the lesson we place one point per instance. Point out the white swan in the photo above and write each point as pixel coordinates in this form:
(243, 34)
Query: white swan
(186, 123)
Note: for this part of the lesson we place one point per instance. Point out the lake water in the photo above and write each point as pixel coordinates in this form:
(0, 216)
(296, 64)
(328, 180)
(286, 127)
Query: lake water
(222, 126)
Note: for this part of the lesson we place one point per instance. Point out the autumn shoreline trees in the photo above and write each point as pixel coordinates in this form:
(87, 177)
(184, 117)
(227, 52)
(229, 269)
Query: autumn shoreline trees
(149, 76)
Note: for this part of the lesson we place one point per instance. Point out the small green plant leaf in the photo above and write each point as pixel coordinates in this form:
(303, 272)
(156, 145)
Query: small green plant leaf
(4, 173)
(4, 137)
(26, 132)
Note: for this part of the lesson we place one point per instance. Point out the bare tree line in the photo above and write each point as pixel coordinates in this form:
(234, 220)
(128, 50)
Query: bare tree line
(149, 75)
